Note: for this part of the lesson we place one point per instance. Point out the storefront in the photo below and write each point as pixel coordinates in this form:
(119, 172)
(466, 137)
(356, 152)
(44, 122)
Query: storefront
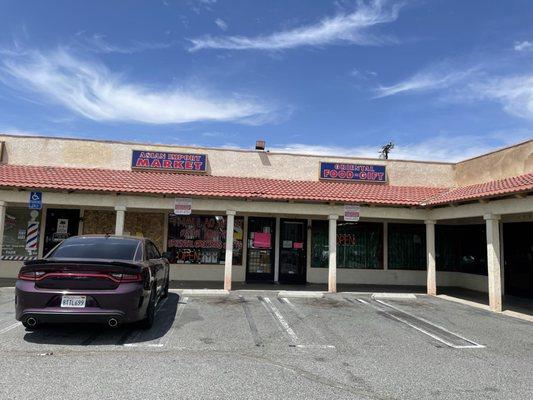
(254, 216)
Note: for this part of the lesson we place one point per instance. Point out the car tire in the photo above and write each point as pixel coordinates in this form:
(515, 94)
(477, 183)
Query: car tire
(148, 321)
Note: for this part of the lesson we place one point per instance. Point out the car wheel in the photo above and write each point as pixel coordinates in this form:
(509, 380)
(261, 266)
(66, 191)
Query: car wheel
(148, 321)
(165, 289)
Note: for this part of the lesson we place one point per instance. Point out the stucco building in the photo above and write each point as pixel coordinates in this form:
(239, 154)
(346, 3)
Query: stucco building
(258, 216)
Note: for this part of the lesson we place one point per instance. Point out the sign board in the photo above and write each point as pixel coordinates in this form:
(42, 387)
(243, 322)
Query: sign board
(35, 201)
(171, 162)
(182, 206)
(351, 213)
(62, 225)
(352, 172)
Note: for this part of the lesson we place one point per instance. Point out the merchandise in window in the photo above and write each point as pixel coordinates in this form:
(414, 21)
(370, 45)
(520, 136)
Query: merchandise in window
(201, 239)
(21, 234)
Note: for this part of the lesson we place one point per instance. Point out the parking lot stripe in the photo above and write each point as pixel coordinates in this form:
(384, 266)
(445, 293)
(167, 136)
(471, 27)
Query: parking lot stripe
(472, 345)
(251, 323)
(275, 312)
(10, 327)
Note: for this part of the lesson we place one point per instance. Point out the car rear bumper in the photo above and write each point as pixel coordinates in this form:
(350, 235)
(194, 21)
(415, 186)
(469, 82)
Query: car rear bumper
(126, 303)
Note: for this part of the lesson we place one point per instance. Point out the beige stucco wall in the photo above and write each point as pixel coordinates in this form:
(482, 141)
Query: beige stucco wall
(221, 162)
(511, 161)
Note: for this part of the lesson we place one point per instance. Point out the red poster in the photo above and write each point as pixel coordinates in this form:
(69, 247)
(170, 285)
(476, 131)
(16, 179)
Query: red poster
(261, 240)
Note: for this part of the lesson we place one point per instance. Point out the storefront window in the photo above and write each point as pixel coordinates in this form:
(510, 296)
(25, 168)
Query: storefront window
(461, 248)
(407, 246)
(359, 245)
(319, 244)
(21, 234)
(201, 239)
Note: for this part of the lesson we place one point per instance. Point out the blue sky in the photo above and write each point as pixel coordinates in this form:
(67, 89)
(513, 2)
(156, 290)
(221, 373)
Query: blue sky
(443, 79)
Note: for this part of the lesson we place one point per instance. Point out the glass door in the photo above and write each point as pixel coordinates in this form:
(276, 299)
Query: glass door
(261, 247)
(293, 251)
(60, 224)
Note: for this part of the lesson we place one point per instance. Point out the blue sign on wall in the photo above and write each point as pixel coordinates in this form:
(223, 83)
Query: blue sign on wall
(352, 172)
(36, 201)
(172, 162)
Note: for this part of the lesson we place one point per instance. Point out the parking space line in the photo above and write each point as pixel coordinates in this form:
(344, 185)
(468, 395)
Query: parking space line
(472, 345)
(275, 312)
(10, 327)
(251, 323)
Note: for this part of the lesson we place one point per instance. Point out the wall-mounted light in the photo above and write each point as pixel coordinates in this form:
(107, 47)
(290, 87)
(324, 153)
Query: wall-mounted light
(260, 145)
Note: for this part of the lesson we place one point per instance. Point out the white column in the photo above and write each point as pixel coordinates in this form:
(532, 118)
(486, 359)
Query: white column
(332, 273)
(2, 223)
(431, 264)
(228, 264)
(119, 221)
(492, 223)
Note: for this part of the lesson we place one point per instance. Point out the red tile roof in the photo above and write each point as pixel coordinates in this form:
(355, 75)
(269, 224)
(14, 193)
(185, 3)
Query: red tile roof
(150, 182)
(501, 187)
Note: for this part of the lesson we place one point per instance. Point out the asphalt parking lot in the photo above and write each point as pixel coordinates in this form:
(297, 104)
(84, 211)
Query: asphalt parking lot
(256, 345)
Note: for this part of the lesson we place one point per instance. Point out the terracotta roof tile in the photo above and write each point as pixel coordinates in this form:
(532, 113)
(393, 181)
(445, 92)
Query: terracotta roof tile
(150, 182)
(516, 184)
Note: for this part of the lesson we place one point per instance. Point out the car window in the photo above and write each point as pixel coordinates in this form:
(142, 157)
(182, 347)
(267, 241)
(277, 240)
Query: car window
(110, 248)
(151, 251)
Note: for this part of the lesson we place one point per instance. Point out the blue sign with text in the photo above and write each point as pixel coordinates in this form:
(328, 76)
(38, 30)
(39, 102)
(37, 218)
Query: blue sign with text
(352, 172)
(172, 162)
(36, 201)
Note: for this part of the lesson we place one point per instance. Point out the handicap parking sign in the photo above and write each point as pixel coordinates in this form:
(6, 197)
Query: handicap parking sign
(36, 200)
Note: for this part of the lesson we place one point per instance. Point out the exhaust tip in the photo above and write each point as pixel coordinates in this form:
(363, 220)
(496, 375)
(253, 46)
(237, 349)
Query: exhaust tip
(31, 322)
(112, 322)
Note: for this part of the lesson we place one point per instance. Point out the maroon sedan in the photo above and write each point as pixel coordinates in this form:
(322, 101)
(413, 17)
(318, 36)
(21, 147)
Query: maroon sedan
(106, 279)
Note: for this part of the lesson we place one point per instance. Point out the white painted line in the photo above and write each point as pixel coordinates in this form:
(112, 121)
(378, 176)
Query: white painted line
(315, 346)
(8, 328)
(362, 301)
(281, 320)
(301, 294)
(205, 292)
(474, 345)
(396, 296)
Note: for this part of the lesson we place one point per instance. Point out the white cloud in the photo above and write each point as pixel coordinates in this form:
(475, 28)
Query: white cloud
(98, 44)
(436, 77)
(522, 46)
(345, 27)
(91, 90)
(221, 24)
(515, 93)
(439, 148)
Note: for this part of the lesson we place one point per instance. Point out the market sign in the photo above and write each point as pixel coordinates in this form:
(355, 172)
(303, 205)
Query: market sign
(351, 213)
(172, 162)
(352, 172)
(182, 206)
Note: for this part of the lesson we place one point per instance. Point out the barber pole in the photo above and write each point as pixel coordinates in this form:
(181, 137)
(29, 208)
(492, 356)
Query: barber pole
(32, 236)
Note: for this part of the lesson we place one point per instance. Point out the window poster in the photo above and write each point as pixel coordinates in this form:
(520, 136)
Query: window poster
(21, 234)
(201, 239)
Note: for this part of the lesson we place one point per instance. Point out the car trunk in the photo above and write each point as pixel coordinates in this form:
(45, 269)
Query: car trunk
(79, 274)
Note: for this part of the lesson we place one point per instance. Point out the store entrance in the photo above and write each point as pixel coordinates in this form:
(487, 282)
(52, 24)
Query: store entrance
(60, 224)
(293, 251)
(261, 249)
(518, 259)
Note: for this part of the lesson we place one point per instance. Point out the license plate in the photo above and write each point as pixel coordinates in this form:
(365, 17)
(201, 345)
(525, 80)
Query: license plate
(73, 301)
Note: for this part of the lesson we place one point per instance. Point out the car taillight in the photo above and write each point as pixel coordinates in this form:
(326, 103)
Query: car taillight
(127, 277)
(30, 275)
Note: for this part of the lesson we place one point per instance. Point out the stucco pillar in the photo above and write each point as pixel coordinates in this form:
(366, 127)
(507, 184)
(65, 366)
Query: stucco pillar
(492, 223)
(431, 264)
(228, 264)
(2, 223)
(332, 273)
(119, 221)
